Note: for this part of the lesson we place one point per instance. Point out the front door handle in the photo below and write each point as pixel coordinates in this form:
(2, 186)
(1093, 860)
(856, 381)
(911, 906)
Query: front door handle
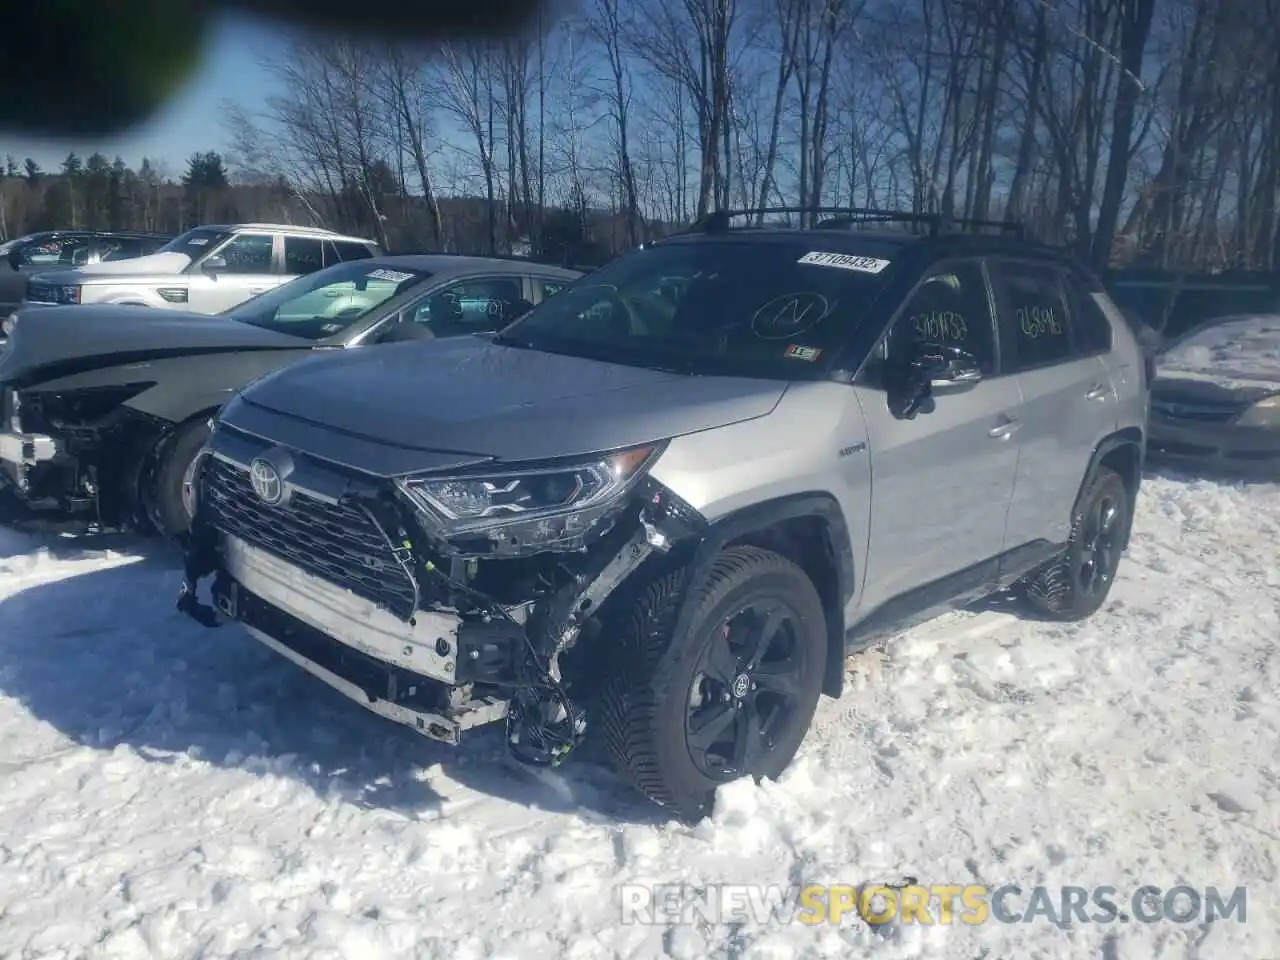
(1003, 430)
(1098, 391)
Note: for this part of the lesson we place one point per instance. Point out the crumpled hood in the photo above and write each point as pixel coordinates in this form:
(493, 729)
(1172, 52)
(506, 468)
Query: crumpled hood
(1237, 355)
(481, 401)
(157, 264)
(49, 335)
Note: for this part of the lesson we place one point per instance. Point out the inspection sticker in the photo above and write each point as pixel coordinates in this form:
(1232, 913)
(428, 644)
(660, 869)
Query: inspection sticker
(844, 261)
(796, 352)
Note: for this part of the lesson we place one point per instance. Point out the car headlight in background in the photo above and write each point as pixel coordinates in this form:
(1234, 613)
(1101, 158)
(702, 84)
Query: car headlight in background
(53, 293)
(1264, 413)
(10, 405)
(533, 506)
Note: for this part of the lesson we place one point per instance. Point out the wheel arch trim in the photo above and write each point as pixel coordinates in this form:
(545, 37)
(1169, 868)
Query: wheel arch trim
(760, 517)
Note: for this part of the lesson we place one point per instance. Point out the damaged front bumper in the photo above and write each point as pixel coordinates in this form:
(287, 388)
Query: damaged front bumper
(388, 665)
(32, 487)
(345, 594)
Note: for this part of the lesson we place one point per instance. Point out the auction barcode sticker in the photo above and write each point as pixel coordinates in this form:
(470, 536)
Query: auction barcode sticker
(844, 261)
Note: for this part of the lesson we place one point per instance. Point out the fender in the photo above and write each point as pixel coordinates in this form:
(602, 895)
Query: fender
(1126, 438)
(188, 386)
(761, 516)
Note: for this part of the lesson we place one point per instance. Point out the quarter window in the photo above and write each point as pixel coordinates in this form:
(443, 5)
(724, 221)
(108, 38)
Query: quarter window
(1089, 325)
(351, 251)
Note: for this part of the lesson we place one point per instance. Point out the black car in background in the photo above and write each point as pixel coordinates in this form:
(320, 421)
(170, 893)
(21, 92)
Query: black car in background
(61, 250)
(103, 408)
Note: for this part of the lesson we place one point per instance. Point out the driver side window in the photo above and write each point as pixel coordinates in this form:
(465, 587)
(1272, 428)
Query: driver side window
(949, 308)
(248, 253)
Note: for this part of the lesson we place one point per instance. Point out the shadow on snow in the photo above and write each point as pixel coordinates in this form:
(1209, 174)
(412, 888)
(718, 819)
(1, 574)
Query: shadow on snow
(106, 659)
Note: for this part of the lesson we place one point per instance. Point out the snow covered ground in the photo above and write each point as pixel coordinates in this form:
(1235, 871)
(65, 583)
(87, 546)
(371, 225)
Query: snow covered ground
(171, 792)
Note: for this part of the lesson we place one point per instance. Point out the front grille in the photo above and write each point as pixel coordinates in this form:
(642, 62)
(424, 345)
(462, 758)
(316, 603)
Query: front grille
(1197, 411)
(337, 543)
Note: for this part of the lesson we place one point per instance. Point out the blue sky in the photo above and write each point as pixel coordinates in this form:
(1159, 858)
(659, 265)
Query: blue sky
(192, 121)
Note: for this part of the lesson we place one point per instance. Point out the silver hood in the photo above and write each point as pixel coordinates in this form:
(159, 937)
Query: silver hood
(52, 335)
(154, 264)
(448, 403)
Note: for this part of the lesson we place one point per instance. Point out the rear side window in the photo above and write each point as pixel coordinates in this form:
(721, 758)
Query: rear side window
(302, 255)
(1032, 313)
(113, 249)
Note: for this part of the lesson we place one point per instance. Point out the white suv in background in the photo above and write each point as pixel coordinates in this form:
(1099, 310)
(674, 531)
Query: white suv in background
(205, 270)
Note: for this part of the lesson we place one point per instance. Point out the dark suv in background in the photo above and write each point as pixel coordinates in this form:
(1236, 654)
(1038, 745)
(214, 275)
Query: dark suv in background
(63, 250)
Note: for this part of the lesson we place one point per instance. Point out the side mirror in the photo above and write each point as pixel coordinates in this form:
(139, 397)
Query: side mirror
(213, 265)
(946, 368)
(15, 257)
(933, 369)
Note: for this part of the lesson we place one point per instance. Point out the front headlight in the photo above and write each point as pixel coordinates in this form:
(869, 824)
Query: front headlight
(53, 293)
(533, 505)
(1264, 413)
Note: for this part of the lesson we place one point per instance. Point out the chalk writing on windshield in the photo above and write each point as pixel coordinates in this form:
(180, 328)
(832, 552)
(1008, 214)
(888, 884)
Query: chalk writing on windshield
(784, 317)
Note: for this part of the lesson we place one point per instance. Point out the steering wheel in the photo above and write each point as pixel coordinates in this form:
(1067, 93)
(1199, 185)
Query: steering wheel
(622, 321)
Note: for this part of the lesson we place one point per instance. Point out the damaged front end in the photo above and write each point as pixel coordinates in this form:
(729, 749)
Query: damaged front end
(439, 602)
(71, 457)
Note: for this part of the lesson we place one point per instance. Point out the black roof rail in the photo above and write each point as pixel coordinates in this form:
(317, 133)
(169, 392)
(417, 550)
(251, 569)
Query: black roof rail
(836, 218)
(509, 257)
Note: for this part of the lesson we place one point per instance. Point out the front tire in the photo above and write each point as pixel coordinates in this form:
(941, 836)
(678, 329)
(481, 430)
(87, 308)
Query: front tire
(173, 476)
(1074, 586)
(732, 698)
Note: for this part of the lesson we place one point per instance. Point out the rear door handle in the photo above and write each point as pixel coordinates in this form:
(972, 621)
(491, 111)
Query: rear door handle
(1098, 391)
(1004, 430)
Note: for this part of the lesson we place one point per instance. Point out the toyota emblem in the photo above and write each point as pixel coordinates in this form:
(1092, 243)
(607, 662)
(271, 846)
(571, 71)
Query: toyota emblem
(266, 481)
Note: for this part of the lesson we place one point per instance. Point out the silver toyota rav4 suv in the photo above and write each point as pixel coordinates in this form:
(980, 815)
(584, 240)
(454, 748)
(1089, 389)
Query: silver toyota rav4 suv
(663, 506)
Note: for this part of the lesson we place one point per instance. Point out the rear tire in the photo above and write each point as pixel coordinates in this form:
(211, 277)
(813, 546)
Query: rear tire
(681, 715)
(172, 477)
(1074, 586)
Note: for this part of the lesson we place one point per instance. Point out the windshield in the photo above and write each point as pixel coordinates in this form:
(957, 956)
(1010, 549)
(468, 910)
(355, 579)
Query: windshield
(195, 242)
(327, 301)
(755, 309)
(8, 245)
